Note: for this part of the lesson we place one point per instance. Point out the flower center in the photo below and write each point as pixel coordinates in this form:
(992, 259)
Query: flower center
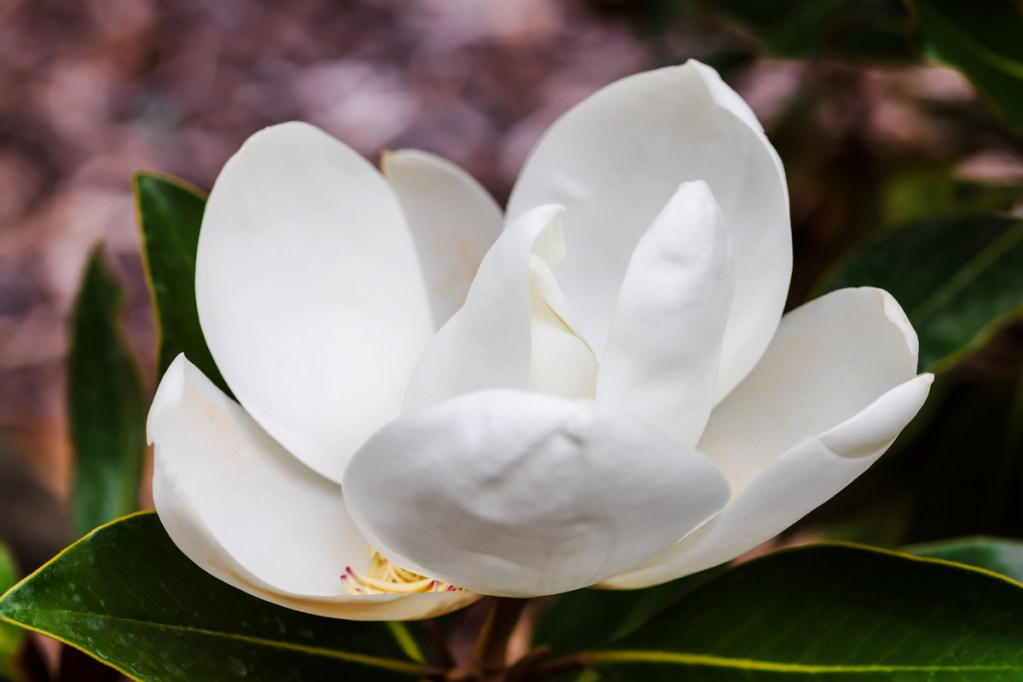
(383, 577)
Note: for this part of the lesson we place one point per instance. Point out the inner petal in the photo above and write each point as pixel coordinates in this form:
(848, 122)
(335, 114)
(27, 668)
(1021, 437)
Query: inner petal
(562, 364)
(663, 354)
(613, 159)
(515, 329)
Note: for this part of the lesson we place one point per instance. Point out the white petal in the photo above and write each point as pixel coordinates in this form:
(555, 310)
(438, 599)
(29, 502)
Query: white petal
(731, 100)
(310, 293)
(242, 508)
(614, 161)
(490, 342)
(805, 477)
(830, 359)
(562, 364)
(662, 355)
(453, 221)
(521, 494)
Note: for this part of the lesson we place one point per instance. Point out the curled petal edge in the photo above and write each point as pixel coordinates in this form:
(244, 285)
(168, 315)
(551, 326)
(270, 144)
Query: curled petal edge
(802, 479)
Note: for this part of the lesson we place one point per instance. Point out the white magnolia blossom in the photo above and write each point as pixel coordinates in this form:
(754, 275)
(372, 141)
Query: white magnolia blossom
(597, 387)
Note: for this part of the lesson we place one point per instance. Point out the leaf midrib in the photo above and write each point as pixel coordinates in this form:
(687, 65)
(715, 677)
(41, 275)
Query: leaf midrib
(395, 665)
(707, 660)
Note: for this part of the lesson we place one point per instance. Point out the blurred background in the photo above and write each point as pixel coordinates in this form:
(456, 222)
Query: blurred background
(874, 132)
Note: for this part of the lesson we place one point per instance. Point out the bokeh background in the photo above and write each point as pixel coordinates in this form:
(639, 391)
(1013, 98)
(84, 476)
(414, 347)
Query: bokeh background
(871, 133)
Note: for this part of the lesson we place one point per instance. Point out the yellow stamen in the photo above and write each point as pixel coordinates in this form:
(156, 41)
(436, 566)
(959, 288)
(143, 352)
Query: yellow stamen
(383, 577)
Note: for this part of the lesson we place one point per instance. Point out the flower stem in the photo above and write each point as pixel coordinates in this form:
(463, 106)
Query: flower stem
(488, 660)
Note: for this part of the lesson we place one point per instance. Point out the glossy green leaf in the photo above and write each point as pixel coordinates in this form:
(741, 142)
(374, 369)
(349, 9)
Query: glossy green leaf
(1004, 557)
(127, 596)
(105, 403)
(170, 215)
(587, 618)
(10, 636)
(981, 39)
(833, 612)
(957, 277)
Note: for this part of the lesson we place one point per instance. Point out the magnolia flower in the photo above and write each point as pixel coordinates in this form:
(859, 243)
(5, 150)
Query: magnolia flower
(438, 401)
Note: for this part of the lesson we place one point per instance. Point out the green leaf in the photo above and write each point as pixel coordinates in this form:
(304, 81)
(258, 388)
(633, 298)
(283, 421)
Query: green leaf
(959, 278)
(981, 39)
(105, 403)
(587, 618)
(1004, 557)
(10, 636)
(170, 215)
(127, 596)
(831, 612)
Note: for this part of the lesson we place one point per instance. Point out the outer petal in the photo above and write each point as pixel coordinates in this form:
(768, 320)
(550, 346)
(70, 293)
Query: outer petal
(730, 99)
(802, 479)
(521, 494)
(615, 159)
(662, 356)
(490, 342)
(242, 508)
(830, 359)
(310, 292)
(453, 221)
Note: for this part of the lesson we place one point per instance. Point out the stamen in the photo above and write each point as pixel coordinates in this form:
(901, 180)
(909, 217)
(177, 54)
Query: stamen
(383, 577)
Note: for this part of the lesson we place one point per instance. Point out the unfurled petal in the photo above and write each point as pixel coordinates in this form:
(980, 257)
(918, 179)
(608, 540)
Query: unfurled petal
(521, 494)
(806, 476)
(310, 292)
(492, 340)
(662, 355)
(830, 359)
(453, 221)
(833, 390)
(616, 159)
(242, 508)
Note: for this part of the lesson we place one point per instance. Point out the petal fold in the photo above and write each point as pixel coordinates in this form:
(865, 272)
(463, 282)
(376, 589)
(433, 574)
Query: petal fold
(242, 508)
(310, 293)
(806, 476)
(511, 330)
(615, 159)
(521, 494)
(453, 220)
(664, 349)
